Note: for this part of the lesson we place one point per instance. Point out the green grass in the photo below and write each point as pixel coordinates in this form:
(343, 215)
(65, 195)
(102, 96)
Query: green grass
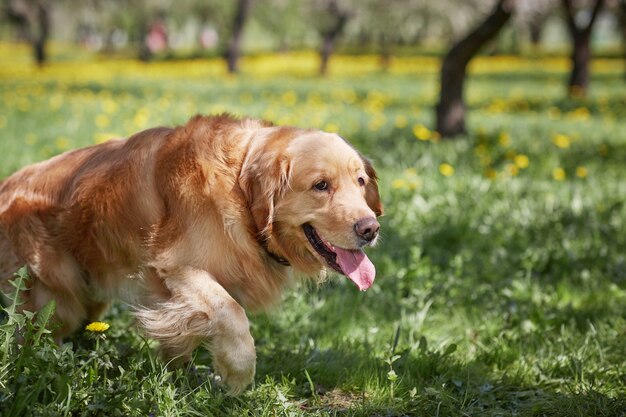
(501, 288)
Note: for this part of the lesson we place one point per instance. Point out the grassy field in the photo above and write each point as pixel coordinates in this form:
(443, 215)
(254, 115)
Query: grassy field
(501, 287)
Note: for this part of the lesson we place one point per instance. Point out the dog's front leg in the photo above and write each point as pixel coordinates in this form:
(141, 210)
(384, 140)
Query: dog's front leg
(200, 311)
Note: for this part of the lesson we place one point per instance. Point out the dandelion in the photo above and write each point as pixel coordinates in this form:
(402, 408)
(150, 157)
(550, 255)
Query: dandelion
(558, 174)
(399, 183)
(561, 141)
(97, 327)
(163, 103)
(376, 123)
(504, 139)
(331, 127)
(401, 121)
(102, 120)
(446, 170)
(62, 143)
(581, 113)
(141, 117)
(581, 172)
(422, 132)
(101, 137)
(56, 101)
(491, 173)
(290, 98)
(521, 161)
(512, 169)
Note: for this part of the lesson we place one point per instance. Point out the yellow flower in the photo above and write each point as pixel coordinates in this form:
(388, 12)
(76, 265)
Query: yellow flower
(560, 140)
(512, 169)
(521, 161)
(289, 98)
(102, 120)
(97, 327)
(110, 106)
(400, 121)
(504, 139)
(558, 174)
(422, 132)
(331, 127)
(101, 137)
(446, 170)
(398, 183)
(491, 173)
(62, 143)
(581, 113)
(581, 172)
(141, 117)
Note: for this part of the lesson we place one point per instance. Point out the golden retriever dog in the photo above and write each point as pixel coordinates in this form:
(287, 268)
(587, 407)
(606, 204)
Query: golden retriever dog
(189, 225)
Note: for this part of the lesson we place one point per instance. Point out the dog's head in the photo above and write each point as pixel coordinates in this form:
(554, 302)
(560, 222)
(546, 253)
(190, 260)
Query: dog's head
(314, 200)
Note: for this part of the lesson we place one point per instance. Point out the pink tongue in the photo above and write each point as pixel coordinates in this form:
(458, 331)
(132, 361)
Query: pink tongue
(357, 267)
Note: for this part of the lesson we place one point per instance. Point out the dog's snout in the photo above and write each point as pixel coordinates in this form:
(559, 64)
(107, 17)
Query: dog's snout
(367, 228)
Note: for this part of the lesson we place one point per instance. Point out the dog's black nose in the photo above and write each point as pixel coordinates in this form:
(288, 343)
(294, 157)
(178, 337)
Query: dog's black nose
(367, 228)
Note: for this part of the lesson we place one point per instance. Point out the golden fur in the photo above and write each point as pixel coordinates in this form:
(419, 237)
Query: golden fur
(185, 224)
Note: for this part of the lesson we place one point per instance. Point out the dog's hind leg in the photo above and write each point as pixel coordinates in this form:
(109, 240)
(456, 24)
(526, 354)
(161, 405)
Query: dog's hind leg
(9, 265)
(53, 273)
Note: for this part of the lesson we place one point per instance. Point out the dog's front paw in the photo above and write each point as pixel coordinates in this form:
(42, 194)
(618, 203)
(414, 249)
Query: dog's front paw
(236, 367)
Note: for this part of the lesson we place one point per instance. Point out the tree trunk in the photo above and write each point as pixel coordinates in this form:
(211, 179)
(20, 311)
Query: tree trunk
(581, 55)
(234, 46)
(622, 21)
(450, 110)
(385, 53)
(35, 19)
(330, 35)
(43, 31)
(578, 83)
(535, 28)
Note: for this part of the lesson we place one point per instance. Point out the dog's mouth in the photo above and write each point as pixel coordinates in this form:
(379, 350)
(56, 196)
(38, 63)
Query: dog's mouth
(352, 263)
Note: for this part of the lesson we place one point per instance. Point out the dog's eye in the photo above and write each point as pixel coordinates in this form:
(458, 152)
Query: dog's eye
(321, 186)
(361, 181)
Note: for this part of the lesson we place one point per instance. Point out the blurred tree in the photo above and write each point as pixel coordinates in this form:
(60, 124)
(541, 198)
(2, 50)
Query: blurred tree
(34, 18)
(580, 24)
(533, 16)
(285, 20)
(388, 23)
(450, 111)
(233, 50)
(329, 17)
(622, 23)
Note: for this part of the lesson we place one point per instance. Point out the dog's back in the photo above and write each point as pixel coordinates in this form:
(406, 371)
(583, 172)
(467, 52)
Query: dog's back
(51, 216)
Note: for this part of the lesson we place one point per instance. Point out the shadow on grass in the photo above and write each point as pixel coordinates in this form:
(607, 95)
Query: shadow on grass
(355, 382)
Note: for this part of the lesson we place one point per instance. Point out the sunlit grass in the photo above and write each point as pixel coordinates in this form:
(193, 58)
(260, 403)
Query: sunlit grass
(501, 287)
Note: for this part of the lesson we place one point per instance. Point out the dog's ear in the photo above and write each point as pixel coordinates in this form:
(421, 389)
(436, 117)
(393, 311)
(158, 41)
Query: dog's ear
(263, 180)
(372, 197)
